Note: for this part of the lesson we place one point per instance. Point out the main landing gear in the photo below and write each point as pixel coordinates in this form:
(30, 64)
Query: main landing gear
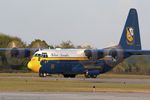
(90, 76)
(69, 75)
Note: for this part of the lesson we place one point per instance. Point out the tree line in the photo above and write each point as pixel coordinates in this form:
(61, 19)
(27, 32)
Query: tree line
(7, 41)
(133, 65)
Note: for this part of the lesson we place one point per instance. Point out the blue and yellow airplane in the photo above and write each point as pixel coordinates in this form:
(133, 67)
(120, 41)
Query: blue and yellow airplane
(91, 62)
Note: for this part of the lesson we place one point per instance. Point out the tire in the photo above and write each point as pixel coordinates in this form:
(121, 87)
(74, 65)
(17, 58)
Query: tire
(72, 76)
(41, 74)
(66, 76)
(69, 75)
(90, 76)
(93, 76)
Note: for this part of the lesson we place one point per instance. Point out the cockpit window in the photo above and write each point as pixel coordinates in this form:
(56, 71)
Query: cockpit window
(44, 55)
(37, 55)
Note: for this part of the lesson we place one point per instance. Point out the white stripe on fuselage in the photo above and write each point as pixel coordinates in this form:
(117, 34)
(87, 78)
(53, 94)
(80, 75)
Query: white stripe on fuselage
(62, 52)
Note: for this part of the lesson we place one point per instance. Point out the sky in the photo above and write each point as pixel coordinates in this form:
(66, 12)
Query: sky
(95, 22)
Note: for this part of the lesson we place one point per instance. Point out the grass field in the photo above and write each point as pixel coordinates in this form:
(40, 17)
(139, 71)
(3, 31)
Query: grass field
(30, 82)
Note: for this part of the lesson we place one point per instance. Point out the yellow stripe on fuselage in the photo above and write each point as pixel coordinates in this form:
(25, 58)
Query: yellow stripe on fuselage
(62, 58)
(67, 58)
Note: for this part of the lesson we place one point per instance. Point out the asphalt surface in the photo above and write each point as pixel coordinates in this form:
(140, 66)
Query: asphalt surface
(121, 81)
(74, 96)
(96, 80)
(106, 80)
(79, 95)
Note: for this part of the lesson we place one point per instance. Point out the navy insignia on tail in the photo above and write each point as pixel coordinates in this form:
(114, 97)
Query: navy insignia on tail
(130, 35)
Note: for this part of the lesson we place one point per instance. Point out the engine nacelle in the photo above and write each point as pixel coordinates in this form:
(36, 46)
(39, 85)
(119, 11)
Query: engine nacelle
(113, 56)
(94, 54)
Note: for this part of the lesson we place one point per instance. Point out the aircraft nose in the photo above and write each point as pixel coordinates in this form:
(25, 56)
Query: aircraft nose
(29, 65)
(34, 66)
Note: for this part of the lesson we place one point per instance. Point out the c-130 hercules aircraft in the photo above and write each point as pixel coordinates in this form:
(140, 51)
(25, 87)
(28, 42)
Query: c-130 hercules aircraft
(91, 62)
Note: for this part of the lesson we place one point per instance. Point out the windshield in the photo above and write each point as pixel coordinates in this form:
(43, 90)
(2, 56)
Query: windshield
(44, 55)
(37, 55)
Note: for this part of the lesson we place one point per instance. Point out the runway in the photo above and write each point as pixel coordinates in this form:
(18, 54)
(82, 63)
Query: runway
(32, 87)
(74, 96)
(93, 80)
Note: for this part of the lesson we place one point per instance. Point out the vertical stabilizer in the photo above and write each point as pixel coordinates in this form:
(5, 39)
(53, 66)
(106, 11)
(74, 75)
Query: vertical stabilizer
(130, 38)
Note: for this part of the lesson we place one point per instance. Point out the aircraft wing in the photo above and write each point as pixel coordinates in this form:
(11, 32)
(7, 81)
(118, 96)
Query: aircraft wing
(16, 57)
(26, 52)
(137, 52)
(113, 52)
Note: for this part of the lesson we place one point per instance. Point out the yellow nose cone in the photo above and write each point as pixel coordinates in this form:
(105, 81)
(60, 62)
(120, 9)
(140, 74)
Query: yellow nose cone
(29, 65)
(34, 66)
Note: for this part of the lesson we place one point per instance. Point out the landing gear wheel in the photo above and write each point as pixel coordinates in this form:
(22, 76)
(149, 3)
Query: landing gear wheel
(66, 76)
(42, 74)
(90, 76)
(69, 75)
(72, 76)
(93, 76)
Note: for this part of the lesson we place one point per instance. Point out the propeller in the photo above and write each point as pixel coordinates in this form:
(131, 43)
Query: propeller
(14, 55)
(113, 56)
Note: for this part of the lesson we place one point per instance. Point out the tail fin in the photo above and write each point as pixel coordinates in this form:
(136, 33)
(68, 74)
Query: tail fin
(130, 38)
